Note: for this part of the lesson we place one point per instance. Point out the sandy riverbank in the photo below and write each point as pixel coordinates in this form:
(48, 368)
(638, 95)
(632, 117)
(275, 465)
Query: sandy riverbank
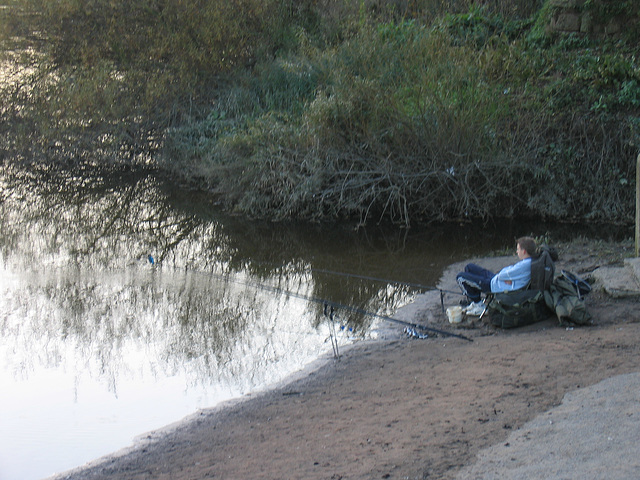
(397, 408)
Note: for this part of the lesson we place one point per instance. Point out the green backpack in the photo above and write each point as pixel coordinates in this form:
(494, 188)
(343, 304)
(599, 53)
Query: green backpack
(566, 299)
(517, 308)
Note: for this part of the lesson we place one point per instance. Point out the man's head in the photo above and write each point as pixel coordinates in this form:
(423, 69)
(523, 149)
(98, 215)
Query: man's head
(526, 247)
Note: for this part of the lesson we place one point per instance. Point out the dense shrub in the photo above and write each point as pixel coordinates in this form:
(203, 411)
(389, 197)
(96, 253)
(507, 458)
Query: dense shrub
(397, 110)
(408, 122)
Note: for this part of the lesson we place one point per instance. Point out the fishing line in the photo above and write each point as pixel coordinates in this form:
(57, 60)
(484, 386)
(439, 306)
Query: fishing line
(374, 279)
(336, 305)
(332, 306)
(384, 280)
(426, 288)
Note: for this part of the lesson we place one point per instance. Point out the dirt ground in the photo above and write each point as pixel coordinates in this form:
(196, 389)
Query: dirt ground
(399, 408)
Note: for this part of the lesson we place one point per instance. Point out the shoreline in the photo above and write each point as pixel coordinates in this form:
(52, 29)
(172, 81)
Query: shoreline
(435, 413)
(147, 439)
(391, 408)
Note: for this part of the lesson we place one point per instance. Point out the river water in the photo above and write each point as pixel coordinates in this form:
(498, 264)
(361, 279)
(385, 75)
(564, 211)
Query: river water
(126, 305)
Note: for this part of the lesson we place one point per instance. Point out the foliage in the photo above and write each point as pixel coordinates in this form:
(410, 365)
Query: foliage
(608, 9)
(375, 110)
(118, 74)
(195, 38)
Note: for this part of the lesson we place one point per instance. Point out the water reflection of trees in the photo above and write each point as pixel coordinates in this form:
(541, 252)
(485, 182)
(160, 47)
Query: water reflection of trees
(111, 221)
(173, 324)
(223, 299)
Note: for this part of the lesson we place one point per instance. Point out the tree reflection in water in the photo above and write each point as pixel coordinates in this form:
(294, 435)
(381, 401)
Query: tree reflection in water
(82, 306)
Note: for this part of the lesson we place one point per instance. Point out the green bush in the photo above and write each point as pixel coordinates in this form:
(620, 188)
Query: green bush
(373, 110)
(407, 122)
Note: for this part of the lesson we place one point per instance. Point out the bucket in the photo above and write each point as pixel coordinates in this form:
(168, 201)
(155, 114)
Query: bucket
(454, 314)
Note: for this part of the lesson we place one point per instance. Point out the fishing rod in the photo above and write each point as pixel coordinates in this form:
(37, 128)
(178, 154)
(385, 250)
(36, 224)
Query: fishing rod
(419, 286)
(374, 279)
(383, 280)
(328, 304)
(400, 322)
(335, 305)
(397, 282)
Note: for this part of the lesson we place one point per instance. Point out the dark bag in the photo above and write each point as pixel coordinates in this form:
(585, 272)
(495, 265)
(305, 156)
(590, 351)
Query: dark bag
(566, 299)
(582, 288)
(542, 271)
(552, 251)
(517, 308)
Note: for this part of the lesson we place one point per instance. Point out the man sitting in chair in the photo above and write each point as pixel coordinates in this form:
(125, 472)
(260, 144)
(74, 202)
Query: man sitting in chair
(476, 280)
